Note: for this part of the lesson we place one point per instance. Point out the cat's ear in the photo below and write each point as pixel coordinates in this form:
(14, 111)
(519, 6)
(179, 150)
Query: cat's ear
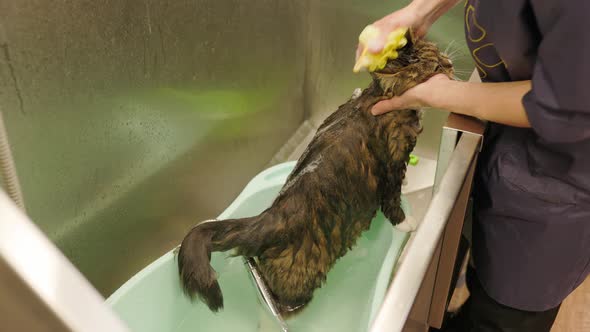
(410, 37)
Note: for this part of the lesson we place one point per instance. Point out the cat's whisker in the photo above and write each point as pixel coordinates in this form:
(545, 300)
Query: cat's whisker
(453, 49)
(448, 46)
(455, 53)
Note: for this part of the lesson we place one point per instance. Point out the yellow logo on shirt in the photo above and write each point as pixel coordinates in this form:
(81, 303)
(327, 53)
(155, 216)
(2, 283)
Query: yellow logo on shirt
(476, 34)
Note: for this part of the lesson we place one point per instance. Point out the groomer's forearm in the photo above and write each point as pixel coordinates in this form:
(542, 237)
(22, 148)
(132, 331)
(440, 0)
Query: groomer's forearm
(432, 9)
(497, 102)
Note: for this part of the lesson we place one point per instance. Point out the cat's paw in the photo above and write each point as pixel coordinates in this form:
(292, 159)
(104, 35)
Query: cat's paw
(408, 225)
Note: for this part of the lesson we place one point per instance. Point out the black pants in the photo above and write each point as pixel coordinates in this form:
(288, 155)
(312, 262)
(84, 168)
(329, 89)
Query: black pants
(481, 313)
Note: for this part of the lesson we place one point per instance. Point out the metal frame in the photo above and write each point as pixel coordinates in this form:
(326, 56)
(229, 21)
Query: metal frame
(41, 290)
(449, 255)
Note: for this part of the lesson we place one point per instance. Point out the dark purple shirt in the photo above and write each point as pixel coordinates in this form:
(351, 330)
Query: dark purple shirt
(531, 240)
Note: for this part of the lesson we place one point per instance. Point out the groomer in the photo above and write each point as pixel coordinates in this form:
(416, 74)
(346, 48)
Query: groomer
(531, 232)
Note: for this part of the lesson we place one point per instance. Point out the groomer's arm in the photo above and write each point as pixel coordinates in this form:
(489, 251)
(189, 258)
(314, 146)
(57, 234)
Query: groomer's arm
(497, 102)
(556, 105)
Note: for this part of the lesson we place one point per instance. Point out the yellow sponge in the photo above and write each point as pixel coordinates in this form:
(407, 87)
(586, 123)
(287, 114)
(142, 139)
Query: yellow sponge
(371, 62)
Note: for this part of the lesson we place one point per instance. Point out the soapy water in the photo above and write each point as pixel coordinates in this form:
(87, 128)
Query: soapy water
(347, 302)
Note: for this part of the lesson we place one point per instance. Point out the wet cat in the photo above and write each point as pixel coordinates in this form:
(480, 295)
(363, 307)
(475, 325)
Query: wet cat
(354, 165)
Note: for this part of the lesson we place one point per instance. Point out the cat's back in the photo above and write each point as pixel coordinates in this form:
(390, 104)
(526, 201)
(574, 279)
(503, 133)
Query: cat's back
(342, 148)
(349, 124)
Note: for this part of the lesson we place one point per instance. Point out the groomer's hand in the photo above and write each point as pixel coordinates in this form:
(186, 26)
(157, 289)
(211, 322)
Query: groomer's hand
(417, 97)
(405, 17)
(495, 102)
(419, 15)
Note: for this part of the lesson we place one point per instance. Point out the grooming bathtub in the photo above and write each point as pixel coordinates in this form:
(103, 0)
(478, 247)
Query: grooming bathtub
(153, 301)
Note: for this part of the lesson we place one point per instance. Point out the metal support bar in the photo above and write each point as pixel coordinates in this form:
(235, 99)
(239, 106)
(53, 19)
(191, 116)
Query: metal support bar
(448, 142)
(41, 290)
(450, 241)
(8, 177)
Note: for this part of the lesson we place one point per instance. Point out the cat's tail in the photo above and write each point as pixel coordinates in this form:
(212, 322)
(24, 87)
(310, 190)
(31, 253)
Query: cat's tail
(197, 275)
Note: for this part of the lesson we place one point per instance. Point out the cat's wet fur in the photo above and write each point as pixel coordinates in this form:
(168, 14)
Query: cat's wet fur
(354, 165)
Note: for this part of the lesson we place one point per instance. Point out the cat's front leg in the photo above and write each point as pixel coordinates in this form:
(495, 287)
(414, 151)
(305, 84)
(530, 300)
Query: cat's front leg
(400, 140)
(391, 207)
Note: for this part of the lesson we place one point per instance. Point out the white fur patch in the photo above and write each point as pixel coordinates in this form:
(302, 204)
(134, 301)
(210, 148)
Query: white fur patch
(408, 225)
(356, 93)
(308, 168)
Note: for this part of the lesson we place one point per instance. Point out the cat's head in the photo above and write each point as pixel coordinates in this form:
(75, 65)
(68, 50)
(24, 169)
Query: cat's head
(418, 61)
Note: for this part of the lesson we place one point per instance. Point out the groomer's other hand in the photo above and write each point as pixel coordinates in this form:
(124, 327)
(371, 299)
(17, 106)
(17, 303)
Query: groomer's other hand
(415, 98)
(496, 102)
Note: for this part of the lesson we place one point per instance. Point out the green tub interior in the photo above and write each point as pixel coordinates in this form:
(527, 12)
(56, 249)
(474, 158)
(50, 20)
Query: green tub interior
(152, 301)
